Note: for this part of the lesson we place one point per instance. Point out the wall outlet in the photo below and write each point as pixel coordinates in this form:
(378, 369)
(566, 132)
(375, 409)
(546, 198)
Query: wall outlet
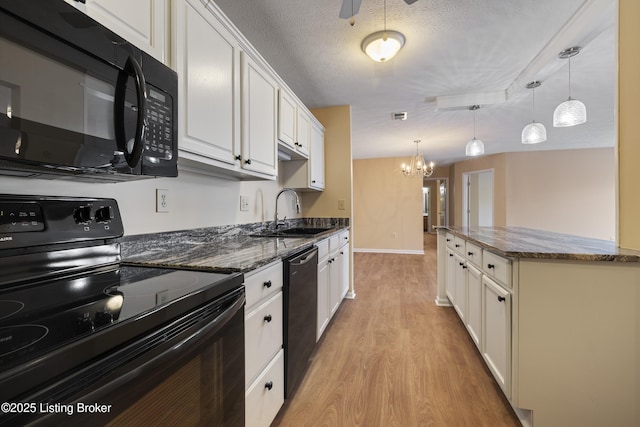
(162, 200)
(244, 203)
(340, 204)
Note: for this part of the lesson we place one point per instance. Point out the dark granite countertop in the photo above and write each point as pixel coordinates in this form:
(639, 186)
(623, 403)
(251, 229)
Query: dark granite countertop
(221, 249)
(519, 242)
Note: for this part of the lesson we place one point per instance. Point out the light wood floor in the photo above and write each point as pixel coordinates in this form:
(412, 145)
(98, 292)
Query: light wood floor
(391, 357)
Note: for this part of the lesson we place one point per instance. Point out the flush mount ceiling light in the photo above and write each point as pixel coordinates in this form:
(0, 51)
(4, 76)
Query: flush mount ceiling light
(417, 166)
(475, 147)
(534, 132)
(383, 45)
(571, 112)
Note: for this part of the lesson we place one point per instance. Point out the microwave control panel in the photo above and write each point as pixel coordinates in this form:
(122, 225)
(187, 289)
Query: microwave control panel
(158, 139)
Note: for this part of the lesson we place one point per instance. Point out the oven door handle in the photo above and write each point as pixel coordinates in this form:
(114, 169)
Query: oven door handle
(210, 329)
(132, 153)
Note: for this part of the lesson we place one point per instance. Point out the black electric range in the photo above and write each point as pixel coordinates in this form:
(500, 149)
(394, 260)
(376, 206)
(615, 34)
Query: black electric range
(66, 298)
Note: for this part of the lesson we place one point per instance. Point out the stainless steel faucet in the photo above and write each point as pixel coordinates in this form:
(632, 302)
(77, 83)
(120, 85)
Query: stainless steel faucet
(297, 204)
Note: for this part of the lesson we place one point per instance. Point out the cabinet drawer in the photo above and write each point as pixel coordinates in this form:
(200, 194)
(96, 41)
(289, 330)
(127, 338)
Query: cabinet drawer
(459, 245)
(334, 243)
(263, 283)
(473, 253)
(265, 396)
(343, 238)
(323, 249)
(497, 267)
(262, 336)
(450, 240)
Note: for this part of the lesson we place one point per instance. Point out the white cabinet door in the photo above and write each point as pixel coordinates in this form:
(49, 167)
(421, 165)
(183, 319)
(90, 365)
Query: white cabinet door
(335, 285)
(316, 158)
(496, 332)
(344, 265)
(259, 118)
(474, 304)
(450, 282)
(323, 297)
(207, 60)
(286, 119)
(141, 22)
(460, 303)
(303, 133)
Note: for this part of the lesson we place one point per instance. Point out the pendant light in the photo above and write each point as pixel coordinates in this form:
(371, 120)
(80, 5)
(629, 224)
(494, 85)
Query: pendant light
(571, 112)
(383, 45)
(534, 132)
(475, 147)
(417, 166)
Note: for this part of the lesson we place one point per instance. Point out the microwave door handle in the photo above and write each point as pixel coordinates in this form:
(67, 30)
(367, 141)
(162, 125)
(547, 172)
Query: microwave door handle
(134, 153)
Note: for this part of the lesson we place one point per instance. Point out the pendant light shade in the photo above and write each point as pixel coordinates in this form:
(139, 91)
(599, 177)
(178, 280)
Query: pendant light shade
(534, 132)
(475, 147)
(571, 112)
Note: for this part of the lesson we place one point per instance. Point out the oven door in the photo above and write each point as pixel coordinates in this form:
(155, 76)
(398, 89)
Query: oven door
(188, 373)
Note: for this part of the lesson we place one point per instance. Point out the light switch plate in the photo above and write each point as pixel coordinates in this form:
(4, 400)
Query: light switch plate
(244, 203)
(162, 200)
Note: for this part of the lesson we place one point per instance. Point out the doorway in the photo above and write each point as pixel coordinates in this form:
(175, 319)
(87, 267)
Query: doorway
(477, 199)
(435, 203)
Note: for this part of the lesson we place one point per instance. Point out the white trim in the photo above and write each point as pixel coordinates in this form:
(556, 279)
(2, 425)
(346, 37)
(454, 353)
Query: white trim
(443, 302)
(350, 295)
(391, 251)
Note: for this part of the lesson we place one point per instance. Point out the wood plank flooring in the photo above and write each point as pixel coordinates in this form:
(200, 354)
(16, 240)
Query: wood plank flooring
(391, 357)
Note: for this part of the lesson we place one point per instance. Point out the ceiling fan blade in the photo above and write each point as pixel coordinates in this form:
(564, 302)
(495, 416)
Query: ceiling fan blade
(410, 1)
(349, 8)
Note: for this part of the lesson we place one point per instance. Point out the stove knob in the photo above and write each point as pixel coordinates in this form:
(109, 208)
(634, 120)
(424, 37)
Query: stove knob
(82, 214)
(104, 214)
(103, 318)
(84, 324)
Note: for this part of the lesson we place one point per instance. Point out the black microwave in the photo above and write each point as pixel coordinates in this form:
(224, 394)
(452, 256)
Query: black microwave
(78, 100)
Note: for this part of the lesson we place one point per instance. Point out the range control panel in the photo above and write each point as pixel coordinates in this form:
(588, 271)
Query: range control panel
(27, 221)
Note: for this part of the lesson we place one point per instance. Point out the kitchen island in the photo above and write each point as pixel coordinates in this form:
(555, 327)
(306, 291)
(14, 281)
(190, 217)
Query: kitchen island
(555, 317)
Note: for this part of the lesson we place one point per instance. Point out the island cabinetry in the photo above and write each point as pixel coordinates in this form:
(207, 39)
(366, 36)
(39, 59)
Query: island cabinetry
(474, 304)
(144, 23)
(460, 282)
(264, 357)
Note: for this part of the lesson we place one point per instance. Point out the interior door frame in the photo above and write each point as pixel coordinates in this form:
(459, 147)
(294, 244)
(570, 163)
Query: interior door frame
(466, 195)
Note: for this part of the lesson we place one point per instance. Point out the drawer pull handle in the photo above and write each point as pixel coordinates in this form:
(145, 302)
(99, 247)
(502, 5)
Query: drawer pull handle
(461, 264)
(448, 240)
(491, 266)
(267, 284)
(457, 246)
(268, 318)
(500, 299)
(450, 254)
(269, 385)
(470, 253)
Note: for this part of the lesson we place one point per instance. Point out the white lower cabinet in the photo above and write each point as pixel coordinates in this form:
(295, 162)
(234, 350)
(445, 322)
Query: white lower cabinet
(323, 287)
(264, 357)
(496, 332)
(333, 277)
(474, 304)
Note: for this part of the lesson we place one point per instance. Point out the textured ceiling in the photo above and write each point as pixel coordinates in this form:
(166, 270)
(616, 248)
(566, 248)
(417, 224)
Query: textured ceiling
(453, 47)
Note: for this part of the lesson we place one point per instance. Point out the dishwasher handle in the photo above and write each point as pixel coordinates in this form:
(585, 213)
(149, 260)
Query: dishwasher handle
(304, 258)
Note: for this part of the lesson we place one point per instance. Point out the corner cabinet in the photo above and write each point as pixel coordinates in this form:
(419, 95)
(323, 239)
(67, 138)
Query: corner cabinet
(227, 102)
(144, 23)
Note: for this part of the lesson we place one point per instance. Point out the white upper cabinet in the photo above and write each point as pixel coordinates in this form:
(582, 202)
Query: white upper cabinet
(286, 119)
(259, 118)
(141, 22)
(316, 158)
(207, 61)
(303, 132)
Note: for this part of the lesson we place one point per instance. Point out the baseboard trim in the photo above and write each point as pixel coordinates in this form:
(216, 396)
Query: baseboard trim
(390, 251)
(351, 295)
(444, 302)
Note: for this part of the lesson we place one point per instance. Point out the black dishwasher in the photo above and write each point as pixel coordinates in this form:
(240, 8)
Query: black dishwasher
(300, 314)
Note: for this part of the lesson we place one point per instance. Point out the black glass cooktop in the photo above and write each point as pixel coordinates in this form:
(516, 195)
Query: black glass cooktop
(36, 319)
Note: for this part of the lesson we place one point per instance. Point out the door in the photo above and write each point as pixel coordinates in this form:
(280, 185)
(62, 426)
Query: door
(477, 199)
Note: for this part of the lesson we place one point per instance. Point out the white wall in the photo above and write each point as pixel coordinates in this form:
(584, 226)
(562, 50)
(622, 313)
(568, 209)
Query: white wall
(194, 200)
(566, 191)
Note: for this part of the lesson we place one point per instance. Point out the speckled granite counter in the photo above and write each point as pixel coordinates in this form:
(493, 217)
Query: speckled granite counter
(518, 242)
(218, 249)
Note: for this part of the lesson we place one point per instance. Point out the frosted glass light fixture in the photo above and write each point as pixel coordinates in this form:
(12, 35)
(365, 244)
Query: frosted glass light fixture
(534, 132)
(417, 166)
(383, 45)
(571, 112)
(475, 147)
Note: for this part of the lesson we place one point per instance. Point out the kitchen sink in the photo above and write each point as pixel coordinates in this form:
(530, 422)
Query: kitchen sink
(292, 232)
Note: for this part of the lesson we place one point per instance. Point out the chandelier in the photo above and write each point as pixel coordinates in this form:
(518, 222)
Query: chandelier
(417, 166)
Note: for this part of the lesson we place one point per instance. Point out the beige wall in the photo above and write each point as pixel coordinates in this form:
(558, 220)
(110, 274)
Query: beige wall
(628, 113)
(338, 173)
(387, 207)
(566, 191)
(494, 162)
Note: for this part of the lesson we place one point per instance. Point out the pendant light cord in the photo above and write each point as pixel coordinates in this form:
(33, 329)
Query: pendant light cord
(474, 124)
(385, 16)
(569, 77)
